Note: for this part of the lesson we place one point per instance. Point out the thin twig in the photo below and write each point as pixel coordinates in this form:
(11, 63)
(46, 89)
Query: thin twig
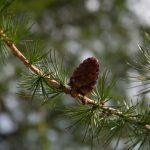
(67, 90)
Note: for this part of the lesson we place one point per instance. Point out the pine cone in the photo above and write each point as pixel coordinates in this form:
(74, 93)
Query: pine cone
(85, 75)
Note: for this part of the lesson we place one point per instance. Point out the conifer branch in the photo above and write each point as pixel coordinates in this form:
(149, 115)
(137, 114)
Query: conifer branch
(67, 90)
(77, 96)
(96, 105)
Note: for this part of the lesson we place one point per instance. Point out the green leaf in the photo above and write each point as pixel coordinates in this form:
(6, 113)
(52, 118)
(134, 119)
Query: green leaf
(15, 27)
(4, 51)
(34, 51)
(87, 120)
(38, 87)
(4, 4)
(104, 87)
(54, 67)
(142, 66)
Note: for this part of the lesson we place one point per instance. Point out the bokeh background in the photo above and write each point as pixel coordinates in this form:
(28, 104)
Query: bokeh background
(111, 30)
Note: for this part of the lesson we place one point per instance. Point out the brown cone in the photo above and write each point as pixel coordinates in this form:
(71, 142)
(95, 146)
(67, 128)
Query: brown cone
(84, 77)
